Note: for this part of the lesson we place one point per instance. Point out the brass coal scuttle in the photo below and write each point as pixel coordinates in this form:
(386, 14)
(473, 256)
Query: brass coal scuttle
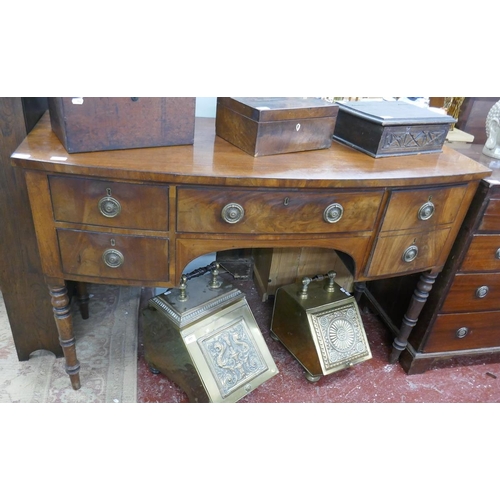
(204, 337)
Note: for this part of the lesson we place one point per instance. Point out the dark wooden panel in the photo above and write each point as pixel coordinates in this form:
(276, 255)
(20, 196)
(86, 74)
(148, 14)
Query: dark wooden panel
(24, 291)
(472, 118)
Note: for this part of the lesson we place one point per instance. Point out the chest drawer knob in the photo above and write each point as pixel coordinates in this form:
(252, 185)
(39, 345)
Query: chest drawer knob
(426, 211)
(462, 332)
(497, 254)
(233, 213)
(109, 206)
(482, 291)
(113, 258)
(333, 213)
(410, 254)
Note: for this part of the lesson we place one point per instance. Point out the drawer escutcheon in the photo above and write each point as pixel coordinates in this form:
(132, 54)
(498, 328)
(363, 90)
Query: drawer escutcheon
(113, 258)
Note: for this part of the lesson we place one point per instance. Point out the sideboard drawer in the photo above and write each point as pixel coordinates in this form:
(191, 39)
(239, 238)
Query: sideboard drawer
(454, 332)
(422, 208)
(248, 211)
(107, 255)
(109, 204)
(473, 292)
(483, 254)
(405, 253)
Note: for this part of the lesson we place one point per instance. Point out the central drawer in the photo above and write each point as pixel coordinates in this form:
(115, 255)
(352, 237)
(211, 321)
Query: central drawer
(247, 211)
(109, 204)
(107, 255)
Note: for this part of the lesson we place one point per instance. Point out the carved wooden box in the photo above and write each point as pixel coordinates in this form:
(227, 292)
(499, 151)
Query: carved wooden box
(391, 128)
(263, 126)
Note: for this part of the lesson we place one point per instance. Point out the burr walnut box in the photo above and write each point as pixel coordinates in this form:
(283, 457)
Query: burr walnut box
(391, 128)
(85, 124)
(263, 126)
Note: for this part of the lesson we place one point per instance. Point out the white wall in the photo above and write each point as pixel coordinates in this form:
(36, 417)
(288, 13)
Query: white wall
(205, 106)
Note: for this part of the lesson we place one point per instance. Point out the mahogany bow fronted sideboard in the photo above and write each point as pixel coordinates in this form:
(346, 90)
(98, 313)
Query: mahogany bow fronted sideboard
(137, 217)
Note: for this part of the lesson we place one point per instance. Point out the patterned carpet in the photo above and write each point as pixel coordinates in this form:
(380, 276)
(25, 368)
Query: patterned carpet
(106, 347)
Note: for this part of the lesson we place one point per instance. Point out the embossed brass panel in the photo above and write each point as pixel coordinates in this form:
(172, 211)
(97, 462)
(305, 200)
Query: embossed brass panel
(319, 323)
(206, 340)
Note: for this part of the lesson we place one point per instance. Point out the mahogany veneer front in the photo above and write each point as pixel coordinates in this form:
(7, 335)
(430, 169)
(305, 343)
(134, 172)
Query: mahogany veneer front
(172, 199)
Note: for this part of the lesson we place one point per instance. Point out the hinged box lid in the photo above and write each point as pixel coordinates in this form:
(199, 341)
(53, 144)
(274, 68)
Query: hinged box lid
(394, 113)
(268, 109)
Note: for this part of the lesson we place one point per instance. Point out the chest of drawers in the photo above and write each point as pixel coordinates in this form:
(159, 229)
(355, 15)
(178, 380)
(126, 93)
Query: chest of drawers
(138, 217)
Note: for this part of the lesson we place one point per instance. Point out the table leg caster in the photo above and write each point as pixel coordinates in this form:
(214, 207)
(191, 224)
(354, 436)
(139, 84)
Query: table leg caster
(153, 370)
(312, 378)
(273, 336)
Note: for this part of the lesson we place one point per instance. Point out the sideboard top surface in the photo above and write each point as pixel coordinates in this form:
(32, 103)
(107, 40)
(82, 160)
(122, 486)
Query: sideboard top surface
(213, 161)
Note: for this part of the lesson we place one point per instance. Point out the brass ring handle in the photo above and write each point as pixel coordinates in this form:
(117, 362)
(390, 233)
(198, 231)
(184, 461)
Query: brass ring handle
(232, 213)
(482, 291)
(410, 254)
(461, 332)
(333, 213)
(426, 211)
(109, 206)
(113, 258)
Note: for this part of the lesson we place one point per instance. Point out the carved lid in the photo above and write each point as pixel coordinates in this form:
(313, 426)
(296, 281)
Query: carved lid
(394, 112)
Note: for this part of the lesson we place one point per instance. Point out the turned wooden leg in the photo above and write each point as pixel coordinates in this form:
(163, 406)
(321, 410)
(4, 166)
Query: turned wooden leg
(62, 314)
(419, 298)
(359, 290)
(83, 299)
